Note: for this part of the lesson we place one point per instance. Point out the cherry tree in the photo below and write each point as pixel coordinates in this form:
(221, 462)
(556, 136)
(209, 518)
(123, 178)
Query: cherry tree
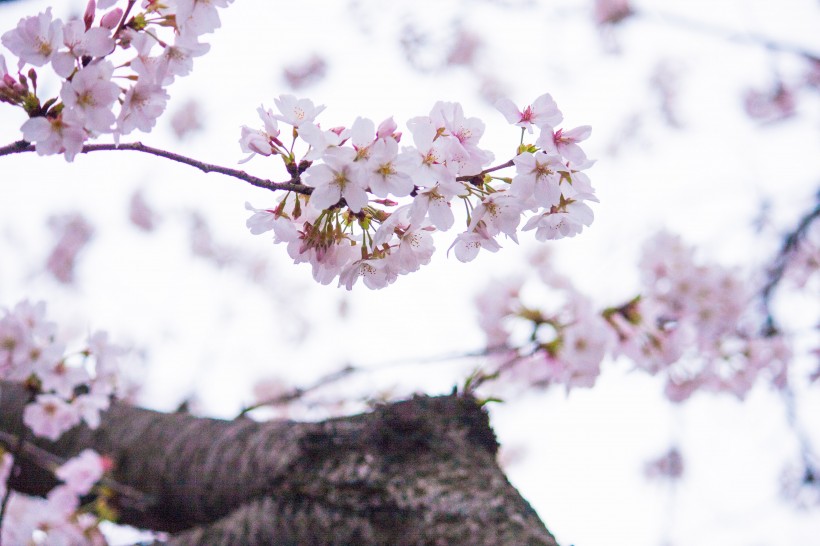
(357, 202)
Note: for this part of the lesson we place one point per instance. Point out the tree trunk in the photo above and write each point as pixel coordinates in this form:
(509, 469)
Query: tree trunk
(420, 471)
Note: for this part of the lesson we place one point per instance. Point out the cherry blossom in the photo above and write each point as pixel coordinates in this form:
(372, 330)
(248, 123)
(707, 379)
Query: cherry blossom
(385, 171)
(558, 224)
(92, 42)
(142, 105)
(296, 111)
(538, 175)
(467, 244)
(335, 179)
(564, 143)
(50, 416)
(90, 94)
(198, 16)
(81, 472)
(35, 39)
(543, 111)
(695, 325)
(64, 134)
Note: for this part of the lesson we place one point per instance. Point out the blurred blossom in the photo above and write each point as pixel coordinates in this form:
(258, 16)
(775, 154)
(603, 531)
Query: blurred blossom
(770, 105)
(305, 73)
(140, 213)
(665, 82)
(610, 12)
(187, 119)
(667, 466)
(813, 74)
(73, 233)
(464, 49)
(203, 244)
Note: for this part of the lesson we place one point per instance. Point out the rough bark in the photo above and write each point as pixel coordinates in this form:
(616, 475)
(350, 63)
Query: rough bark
(420, 471)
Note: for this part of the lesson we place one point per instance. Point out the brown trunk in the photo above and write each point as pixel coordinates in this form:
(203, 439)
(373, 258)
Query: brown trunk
(420, 471)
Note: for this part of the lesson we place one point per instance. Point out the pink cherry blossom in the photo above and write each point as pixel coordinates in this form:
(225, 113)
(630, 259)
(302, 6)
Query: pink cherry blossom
(385, 171)
(556, 225)
(498, 213)
(80, 473)
(296, 111)
(564, 143)
(335, 179)
(35, 39)
(435, 206)
(538, 178)
(91, 94)
(49, 416)
(543, 111)
(142, 105)
(198, 16)
(430, 156)
(374, 273)
(178, 59)
(92, 42)
(468, 243)
(64, 134)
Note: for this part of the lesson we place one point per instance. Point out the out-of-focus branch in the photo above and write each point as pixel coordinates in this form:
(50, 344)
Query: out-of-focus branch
(790, 243)
(725, 33)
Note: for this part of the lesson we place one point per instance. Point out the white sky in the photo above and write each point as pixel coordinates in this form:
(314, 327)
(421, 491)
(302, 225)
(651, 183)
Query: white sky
(214, 333)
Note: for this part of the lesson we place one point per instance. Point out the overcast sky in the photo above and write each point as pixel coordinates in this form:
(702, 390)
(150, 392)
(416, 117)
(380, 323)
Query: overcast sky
(209, 333)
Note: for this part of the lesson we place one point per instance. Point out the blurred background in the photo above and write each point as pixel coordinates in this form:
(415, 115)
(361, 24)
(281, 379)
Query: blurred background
(706, 122)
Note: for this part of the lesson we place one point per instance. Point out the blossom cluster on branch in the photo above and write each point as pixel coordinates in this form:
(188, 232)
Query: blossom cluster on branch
(368, 208)
(66, 388)
(114, 67)
(699, 326)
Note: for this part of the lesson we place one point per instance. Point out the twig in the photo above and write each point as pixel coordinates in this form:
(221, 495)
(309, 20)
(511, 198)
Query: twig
(715, 30)
(15, 466)
(790, 244)
(50, 462)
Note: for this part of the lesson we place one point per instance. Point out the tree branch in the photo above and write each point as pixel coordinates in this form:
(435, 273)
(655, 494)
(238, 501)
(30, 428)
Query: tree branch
(722, 32)
(420, 471)
(790, 243)
(294, 185)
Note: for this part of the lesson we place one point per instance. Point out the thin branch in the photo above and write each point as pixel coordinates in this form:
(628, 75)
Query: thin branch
(50, 462)
(294, 185)
(732, 36)
(298, 392)
(790, 244)
(486, 171)
(15, 466)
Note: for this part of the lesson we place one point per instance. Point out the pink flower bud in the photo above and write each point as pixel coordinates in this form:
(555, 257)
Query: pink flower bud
(110, 19)
(90, 11)
(386, 128)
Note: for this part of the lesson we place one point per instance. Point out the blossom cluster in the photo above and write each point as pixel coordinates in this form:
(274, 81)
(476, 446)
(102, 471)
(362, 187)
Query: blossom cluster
(66, 388)
(59, 518)
(147, 50)
(369, 207)
(699, 326)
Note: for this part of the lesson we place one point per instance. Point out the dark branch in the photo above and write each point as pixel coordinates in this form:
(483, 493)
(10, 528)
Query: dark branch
(294, 185)
(790, 243)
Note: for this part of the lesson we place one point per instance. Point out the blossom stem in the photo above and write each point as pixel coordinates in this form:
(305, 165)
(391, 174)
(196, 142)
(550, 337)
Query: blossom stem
(485, 171)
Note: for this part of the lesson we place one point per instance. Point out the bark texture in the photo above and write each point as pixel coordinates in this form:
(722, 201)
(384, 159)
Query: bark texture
(420, 471)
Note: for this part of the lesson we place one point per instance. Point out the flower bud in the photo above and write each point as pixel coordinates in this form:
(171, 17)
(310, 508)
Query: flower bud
(90, 11)
(110, 19)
